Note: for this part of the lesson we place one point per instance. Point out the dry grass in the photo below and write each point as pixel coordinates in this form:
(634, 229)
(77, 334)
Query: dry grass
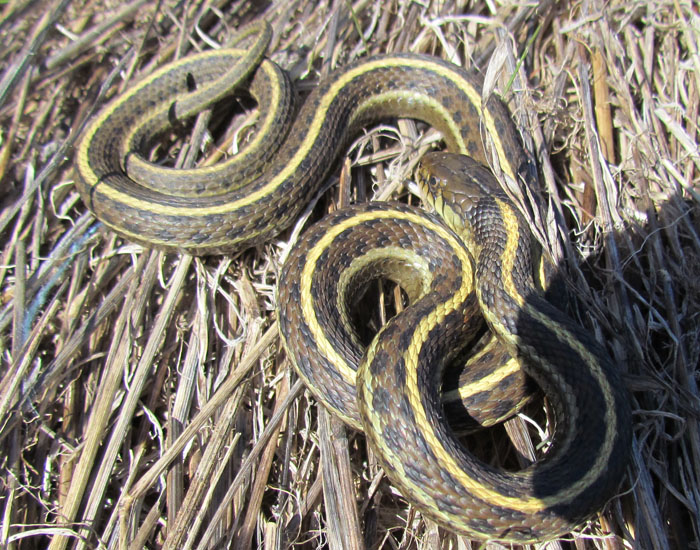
(145, 401)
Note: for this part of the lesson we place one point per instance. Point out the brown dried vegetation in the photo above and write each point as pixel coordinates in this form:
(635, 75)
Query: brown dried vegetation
(145, 400)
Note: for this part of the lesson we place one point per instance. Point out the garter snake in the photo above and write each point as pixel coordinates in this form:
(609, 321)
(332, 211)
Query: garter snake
(589, 449)
(209, 210)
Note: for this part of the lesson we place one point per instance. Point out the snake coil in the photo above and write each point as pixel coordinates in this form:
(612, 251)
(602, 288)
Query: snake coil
(209, 210)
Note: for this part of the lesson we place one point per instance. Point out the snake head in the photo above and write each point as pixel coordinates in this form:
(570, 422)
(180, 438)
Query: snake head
(454, 185)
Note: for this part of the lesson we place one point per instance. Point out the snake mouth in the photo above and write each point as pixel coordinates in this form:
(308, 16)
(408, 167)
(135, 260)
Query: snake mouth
(425, 184)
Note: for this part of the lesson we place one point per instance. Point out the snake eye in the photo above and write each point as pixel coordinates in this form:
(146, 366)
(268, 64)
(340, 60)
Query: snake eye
(432, 182)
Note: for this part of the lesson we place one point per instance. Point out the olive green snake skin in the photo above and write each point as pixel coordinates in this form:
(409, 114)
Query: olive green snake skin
(255, 195)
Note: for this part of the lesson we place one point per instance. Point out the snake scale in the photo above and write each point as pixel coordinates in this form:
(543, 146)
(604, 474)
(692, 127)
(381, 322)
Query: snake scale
(391, 391)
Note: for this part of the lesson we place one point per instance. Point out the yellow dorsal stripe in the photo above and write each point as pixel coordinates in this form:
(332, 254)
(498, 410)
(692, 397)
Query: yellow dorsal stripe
(307, 302)
(308, 142)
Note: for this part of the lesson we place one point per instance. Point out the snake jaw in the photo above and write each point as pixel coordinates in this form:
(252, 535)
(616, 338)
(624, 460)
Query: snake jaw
(450, 185)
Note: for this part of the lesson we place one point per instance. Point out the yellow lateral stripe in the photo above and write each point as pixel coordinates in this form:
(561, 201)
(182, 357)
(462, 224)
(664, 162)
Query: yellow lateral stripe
(487, 383)
(258, 138)
(510, 252)
(82, 157)
(529, 504)
(358, 263)
(508, 259)
(485, 493)
(593, 364)
(434, 105)
(307, 302)
(491, 130)
(565, 389)
(306, 145)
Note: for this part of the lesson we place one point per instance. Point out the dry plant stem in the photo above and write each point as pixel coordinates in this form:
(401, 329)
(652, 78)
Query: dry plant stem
(14, 377)
(150, 522)
(182, 404)
(190, 515)
(140, 375)
(311, 500)
(6, 148)
(194, 509)
(17, 68)
(46, 115)
(603, 125)
(603, 196)
(549, 227)
(94, 36)
(54, 371)
(243, 471)
(10, 396)
(39, 279)
(56, 160)
(646, 502)
(208, 500)
(18, 317)
(65, 342)
(140, 451)
(339, 499)
(97, 423)
(243, 539)
(10, 513)
(151, 518)
(207, 410)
